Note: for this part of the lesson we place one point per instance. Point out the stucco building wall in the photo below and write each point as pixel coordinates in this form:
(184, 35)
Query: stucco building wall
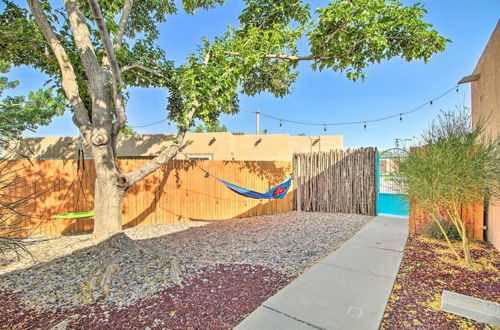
(485, 93)
(214, 146)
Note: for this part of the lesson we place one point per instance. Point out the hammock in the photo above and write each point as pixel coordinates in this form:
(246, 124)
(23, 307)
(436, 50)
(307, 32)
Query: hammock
(277, 192)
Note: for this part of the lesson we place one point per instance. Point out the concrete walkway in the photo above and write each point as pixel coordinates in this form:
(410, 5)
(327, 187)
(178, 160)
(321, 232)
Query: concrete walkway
(348, 289)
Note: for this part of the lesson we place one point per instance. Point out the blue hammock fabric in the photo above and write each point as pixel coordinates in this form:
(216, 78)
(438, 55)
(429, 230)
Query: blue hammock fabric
(277, 192)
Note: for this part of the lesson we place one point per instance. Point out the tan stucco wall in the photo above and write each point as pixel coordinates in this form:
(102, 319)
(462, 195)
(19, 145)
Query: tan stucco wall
(219, 146)
(486, 90)
(486, 107)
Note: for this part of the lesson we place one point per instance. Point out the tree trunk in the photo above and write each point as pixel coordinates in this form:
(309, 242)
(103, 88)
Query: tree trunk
(436, 220)
(466, 249)
(465, 244)
(108, 209)
(109, 193)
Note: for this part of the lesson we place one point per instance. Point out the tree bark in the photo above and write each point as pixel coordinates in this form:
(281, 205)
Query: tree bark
(108, 201)
(68, 76)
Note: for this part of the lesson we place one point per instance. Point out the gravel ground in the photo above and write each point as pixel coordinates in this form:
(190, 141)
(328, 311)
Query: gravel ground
(287, 243)
(246, 259)
(428, 268)
(44, 249)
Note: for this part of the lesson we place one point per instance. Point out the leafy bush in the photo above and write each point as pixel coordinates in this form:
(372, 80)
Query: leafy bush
(432, 230)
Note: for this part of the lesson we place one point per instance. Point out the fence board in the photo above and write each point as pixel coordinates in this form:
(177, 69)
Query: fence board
(472, 214)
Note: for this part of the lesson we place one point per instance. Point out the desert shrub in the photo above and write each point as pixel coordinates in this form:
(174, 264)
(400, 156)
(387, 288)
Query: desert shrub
(454, 164)
(432, 230)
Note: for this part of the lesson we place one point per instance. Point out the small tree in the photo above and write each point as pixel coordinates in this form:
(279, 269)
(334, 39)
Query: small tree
(454, 165)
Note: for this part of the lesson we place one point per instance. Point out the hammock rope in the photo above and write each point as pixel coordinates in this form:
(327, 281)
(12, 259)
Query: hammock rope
(76, 215)
(276, 192)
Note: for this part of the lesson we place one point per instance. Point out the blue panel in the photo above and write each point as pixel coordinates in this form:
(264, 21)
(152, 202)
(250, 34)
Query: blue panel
(392, 204)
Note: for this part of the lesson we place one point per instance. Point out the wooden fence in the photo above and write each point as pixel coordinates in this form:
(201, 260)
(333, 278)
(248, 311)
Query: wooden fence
(472, 215)
(336, 181)
(179, 191)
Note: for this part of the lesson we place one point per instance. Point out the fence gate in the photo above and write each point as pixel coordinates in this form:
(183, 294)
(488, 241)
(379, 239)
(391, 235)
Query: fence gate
(390, 200)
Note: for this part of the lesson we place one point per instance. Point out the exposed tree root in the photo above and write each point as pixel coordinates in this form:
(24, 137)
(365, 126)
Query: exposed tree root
(119, 241)
(101, 283)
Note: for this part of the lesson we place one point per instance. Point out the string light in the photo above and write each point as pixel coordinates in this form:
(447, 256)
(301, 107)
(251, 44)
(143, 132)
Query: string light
(355, 122)
(364, 127)
(281, 120)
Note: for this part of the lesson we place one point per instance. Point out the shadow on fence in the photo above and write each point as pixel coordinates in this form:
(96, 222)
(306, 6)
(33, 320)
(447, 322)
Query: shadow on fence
(179, 191)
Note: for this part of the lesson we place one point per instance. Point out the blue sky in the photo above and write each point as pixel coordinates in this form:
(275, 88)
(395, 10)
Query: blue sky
(324, 97)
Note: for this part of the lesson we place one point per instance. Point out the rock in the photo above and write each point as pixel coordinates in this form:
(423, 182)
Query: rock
(63, 324)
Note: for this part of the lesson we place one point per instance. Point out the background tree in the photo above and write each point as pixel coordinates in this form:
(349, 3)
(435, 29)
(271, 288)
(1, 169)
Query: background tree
(210, 127)
(93, 50)
(20, 113)
(127, 130)
(453, 165)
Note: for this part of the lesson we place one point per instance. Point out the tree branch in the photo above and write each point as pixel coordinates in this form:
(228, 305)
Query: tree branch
(127, 9)
(81, 35)
(315, 57)
(143, 68)
(131, 178)
(121, 116)
(68, 77)
(298, 58)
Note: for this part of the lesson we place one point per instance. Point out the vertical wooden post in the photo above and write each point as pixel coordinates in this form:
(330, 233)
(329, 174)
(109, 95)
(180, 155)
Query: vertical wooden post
(296, 181)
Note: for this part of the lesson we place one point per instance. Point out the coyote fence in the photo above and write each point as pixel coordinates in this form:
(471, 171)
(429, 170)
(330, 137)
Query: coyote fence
(340, 181)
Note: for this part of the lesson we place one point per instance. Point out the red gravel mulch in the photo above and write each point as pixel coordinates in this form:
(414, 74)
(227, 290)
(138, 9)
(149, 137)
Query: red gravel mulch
(428, 268)
(217, 299)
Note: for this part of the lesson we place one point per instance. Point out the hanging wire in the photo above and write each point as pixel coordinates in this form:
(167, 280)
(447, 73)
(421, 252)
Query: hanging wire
(354, 122)
(146, 125)
(282, 120)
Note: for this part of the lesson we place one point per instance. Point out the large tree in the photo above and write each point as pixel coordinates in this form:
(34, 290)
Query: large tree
(93, 50)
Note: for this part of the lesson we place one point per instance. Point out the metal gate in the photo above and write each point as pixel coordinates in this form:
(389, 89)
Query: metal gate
(390, 199)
